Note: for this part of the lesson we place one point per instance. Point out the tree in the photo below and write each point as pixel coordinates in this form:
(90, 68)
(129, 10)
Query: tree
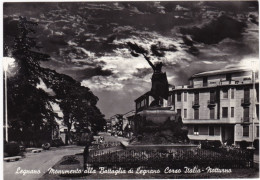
(77, 102)
(30, 111)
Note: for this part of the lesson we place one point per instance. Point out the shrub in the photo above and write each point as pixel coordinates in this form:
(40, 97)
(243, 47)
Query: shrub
(244, 144)
(216, 144)
(210, 144)
(205, 145)
(46, 146)
(57, 142)
(230, 141)
(12, 148)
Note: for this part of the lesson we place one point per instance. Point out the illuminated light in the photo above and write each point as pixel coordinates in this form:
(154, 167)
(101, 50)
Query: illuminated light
(7, 61)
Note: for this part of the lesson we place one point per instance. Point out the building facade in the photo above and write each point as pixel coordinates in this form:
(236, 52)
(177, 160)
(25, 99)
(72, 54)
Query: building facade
(220, 105)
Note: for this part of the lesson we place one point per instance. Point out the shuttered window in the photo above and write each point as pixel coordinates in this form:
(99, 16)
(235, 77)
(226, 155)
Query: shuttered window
(245, 131)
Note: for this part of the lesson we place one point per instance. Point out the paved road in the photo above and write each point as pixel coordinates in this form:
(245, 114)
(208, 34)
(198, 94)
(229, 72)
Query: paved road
(109, 138)
(38, 161)
(44, 160)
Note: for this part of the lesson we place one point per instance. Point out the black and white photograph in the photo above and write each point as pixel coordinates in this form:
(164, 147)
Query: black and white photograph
(130, 90)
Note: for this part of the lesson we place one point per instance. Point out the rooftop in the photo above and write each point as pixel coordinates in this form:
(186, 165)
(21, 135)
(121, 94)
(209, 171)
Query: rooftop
(222, 71)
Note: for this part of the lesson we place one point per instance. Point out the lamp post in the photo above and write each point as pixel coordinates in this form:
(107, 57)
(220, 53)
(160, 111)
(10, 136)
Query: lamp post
(6, 62)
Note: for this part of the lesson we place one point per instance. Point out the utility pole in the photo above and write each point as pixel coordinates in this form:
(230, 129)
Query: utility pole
(6, 62)
(6, 118)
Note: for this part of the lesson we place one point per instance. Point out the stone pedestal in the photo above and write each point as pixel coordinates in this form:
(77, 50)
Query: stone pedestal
(159, 128)
(158, 115)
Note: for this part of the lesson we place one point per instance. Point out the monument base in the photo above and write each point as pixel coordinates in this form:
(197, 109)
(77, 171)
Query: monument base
(160, 128)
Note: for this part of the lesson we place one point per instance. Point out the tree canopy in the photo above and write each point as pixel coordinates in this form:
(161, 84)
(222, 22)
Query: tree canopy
(30, 108)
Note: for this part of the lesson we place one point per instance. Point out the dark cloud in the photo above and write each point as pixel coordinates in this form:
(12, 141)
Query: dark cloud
(142, 72)
(87, 40)
(81, 74)
(190, 48)
(217, 30)
(159, 49)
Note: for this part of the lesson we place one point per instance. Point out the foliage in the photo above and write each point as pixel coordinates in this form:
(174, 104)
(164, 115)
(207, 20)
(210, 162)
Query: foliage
(175, 158)
(256, 144)
(57, 142)
(30, 108)
(46, 146)
(244, 144)
(210, 145)
(68, 160)
(12, 148)
(164, 133)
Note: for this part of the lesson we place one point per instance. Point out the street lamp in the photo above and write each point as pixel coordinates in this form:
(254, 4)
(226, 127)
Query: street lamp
(6, 62)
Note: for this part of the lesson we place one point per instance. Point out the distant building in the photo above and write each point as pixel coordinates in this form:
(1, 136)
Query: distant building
(128, 123)
(117, 124)
(216, 105)
(108, 125)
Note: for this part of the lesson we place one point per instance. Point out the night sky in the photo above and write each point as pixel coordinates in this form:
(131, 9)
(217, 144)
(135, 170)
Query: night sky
(87, 41)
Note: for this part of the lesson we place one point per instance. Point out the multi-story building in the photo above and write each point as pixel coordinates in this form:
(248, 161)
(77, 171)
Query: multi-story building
(122, 124)
(128, 123)
(217, 105)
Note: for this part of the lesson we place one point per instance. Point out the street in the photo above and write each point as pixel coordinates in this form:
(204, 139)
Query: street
(38, 161)
(109, 138)
(44, 160)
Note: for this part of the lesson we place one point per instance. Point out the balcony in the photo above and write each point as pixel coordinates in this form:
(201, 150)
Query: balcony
(227, 82)
(211, 103)
(245, 120)
(195, 104)
(245, 102)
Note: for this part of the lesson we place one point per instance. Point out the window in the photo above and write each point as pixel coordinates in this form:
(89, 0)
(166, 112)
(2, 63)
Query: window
(232, 93)
(257, 93)
(212, 113)
(228, 77)
(196, 130)
(169, 100)
(245, 131)
(173, 99)
(205, 81)
(225, 93)
(257, 112)
(232, 111)
(212, 96)
(196, 97)
(196, 113)
(246, 93)
(138, 105)
(161, 101)
(185, 113)
(179, 112)
(142, 103)
(246, 114)
(178, 96)
(211, 130)
(257, 131)
(224, 112)
(185, 96)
